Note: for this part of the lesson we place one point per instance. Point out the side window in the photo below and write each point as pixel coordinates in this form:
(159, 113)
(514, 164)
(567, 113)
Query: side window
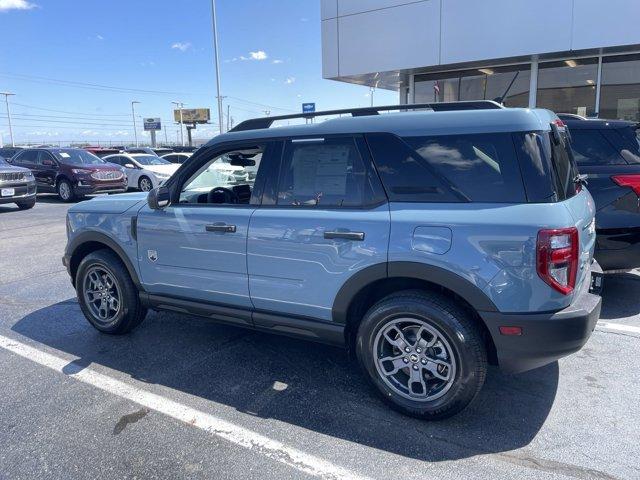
(116, 160)
(590, 147)
(480, 167)
(28, 157)
(228, 178)
(42, 156)
(405, 175)
(324, 173)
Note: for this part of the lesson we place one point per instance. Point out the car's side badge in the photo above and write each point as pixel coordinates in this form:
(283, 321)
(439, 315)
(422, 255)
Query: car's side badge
(153, 255)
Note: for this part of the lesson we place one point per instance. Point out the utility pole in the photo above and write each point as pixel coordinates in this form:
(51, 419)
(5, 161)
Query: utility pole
(215, 50)
(228, 116)
(133, 115)
(180, 105)
(166, 140)
(6, 100)
(371, 91)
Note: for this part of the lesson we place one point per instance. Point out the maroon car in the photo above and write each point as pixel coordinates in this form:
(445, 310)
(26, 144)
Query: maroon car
(71, 172)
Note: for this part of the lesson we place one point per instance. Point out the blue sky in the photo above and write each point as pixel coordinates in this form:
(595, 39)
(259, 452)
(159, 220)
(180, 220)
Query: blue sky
(270, 59)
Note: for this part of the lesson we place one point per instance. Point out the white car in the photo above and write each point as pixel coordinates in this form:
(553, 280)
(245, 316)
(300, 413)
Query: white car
(177, 157)
(143, 171)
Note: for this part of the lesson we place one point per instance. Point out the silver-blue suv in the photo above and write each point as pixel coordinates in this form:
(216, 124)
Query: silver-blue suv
(430, 243)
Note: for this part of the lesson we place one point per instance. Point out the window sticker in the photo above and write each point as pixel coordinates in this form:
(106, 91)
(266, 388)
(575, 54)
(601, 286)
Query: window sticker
(65, 155)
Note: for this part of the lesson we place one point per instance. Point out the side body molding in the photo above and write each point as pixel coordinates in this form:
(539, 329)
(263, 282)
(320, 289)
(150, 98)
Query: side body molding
(413, 270)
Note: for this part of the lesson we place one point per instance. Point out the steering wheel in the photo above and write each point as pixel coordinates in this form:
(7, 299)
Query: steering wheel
(221, 193)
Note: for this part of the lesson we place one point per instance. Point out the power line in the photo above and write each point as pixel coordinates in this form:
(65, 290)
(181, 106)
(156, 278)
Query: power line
(72, 113)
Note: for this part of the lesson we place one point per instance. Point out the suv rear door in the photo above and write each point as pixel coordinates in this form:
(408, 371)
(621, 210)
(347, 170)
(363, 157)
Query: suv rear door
(323, 218)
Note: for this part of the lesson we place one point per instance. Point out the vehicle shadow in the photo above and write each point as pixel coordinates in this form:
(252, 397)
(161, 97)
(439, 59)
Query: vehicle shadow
(620, 296)
(308, 385)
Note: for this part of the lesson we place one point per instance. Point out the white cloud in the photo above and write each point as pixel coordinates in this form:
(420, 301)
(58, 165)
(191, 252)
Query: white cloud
(259, 55)
(304, 19)
(290, 80)
(15, 5)
(89, 132)
(99, 37)
(182, 46)
(277, 61)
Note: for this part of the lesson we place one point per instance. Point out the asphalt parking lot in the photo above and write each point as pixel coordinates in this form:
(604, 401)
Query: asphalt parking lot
(183, 397)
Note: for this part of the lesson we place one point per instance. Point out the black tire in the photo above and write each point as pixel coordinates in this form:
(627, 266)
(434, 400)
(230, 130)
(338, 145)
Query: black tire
(27, 204)
(130, 313)
(65, 190)
(461, 335)
(141, 182)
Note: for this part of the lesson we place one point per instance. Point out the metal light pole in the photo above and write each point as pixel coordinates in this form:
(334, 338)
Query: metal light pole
(180, 105)
(215, 49)
(6, 99)
(133, 115)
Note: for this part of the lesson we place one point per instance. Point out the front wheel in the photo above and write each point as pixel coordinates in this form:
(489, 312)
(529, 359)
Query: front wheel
(27, 204)
(107, 295)
(65, 191)
(423, 353)
(145, 184)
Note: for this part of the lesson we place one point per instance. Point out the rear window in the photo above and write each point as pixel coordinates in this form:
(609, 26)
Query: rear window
(449, 168)
(590, 147)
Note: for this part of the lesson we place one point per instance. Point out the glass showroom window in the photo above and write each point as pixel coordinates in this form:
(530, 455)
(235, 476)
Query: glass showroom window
(436, 88)
(499, 78)
(620, 90)
(568, 86)
(478, 84)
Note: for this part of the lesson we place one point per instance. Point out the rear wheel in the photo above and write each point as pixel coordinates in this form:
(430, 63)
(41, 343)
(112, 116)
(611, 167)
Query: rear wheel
(145, 184)
(65, 191)
(27, 204)
(107, 295)
(424, 354)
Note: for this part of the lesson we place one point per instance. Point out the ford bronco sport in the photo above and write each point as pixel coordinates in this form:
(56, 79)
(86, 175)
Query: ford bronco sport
(430, 243)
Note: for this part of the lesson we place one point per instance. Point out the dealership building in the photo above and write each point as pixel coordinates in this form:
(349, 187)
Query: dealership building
(574, 56)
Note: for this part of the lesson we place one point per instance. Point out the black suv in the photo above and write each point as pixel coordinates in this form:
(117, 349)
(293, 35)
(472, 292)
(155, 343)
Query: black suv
(608, 152)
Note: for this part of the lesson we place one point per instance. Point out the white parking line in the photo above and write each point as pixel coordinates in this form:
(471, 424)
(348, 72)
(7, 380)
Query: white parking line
(618, 327)
(233, 433)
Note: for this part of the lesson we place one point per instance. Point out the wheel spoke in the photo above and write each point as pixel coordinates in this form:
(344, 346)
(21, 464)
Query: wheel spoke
(391, 365)
(416, 384)
(421, 342)
(395, 337)
(445, 368)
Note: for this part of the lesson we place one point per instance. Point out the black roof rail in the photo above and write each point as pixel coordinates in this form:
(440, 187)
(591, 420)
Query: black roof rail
(266, 122)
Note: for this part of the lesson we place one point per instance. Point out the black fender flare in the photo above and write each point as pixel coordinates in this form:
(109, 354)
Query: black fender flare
(98, 237)
(415, 270)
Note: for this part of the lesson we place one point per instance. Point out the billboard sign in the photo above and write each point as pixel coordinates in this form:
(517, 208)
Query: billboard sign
(152, 124)
(308, 107)
(192, 115)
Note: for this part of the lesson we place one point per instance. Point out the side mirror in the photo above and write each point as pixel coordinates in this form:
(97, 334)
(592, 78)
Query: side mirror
(47, 163)
(129, 165)
(159, 198)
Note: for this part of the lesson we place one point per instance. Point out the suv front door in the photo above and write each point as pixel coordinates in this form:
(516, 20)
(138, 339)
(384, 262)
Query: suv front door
(323, 218)
(195, 249)
(46, 170)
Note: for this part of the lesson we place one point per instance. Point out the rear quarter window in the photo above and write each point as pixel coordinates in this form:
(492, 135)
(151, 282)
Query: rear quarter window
(473, 167)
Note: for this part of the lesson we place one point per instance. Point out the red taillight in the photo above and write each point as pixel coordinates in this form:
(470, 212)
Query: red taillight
(632, 181)
(557, 258)
(558, 122)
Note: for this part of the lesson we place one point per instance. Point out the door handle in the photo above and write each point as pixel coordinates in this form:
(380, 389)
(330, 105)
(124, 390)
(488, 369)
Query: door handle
(358, 236)
(221, 227)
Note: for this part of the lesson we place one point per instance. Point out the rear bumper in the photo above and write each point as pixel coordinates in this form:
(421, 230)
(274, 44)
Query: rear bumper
(545, 337)
(616, 258)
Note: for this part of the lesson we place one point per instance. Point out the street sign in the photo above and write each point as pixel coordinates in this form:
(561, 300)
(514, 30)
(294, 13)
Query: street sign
(152, 124)
(192, 115)
(308, 107)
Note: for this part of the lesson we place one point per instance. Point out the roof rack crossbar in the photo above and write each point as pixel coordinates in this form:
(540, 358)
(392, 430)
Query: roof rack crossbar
(266, 122)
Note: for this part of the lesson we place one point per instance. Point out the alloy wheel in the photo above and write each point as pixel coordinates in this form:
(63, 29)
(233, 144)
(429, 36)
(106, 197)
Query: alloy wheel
(64, 190)
(145, 184)
(101, 294)
(414, 359)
